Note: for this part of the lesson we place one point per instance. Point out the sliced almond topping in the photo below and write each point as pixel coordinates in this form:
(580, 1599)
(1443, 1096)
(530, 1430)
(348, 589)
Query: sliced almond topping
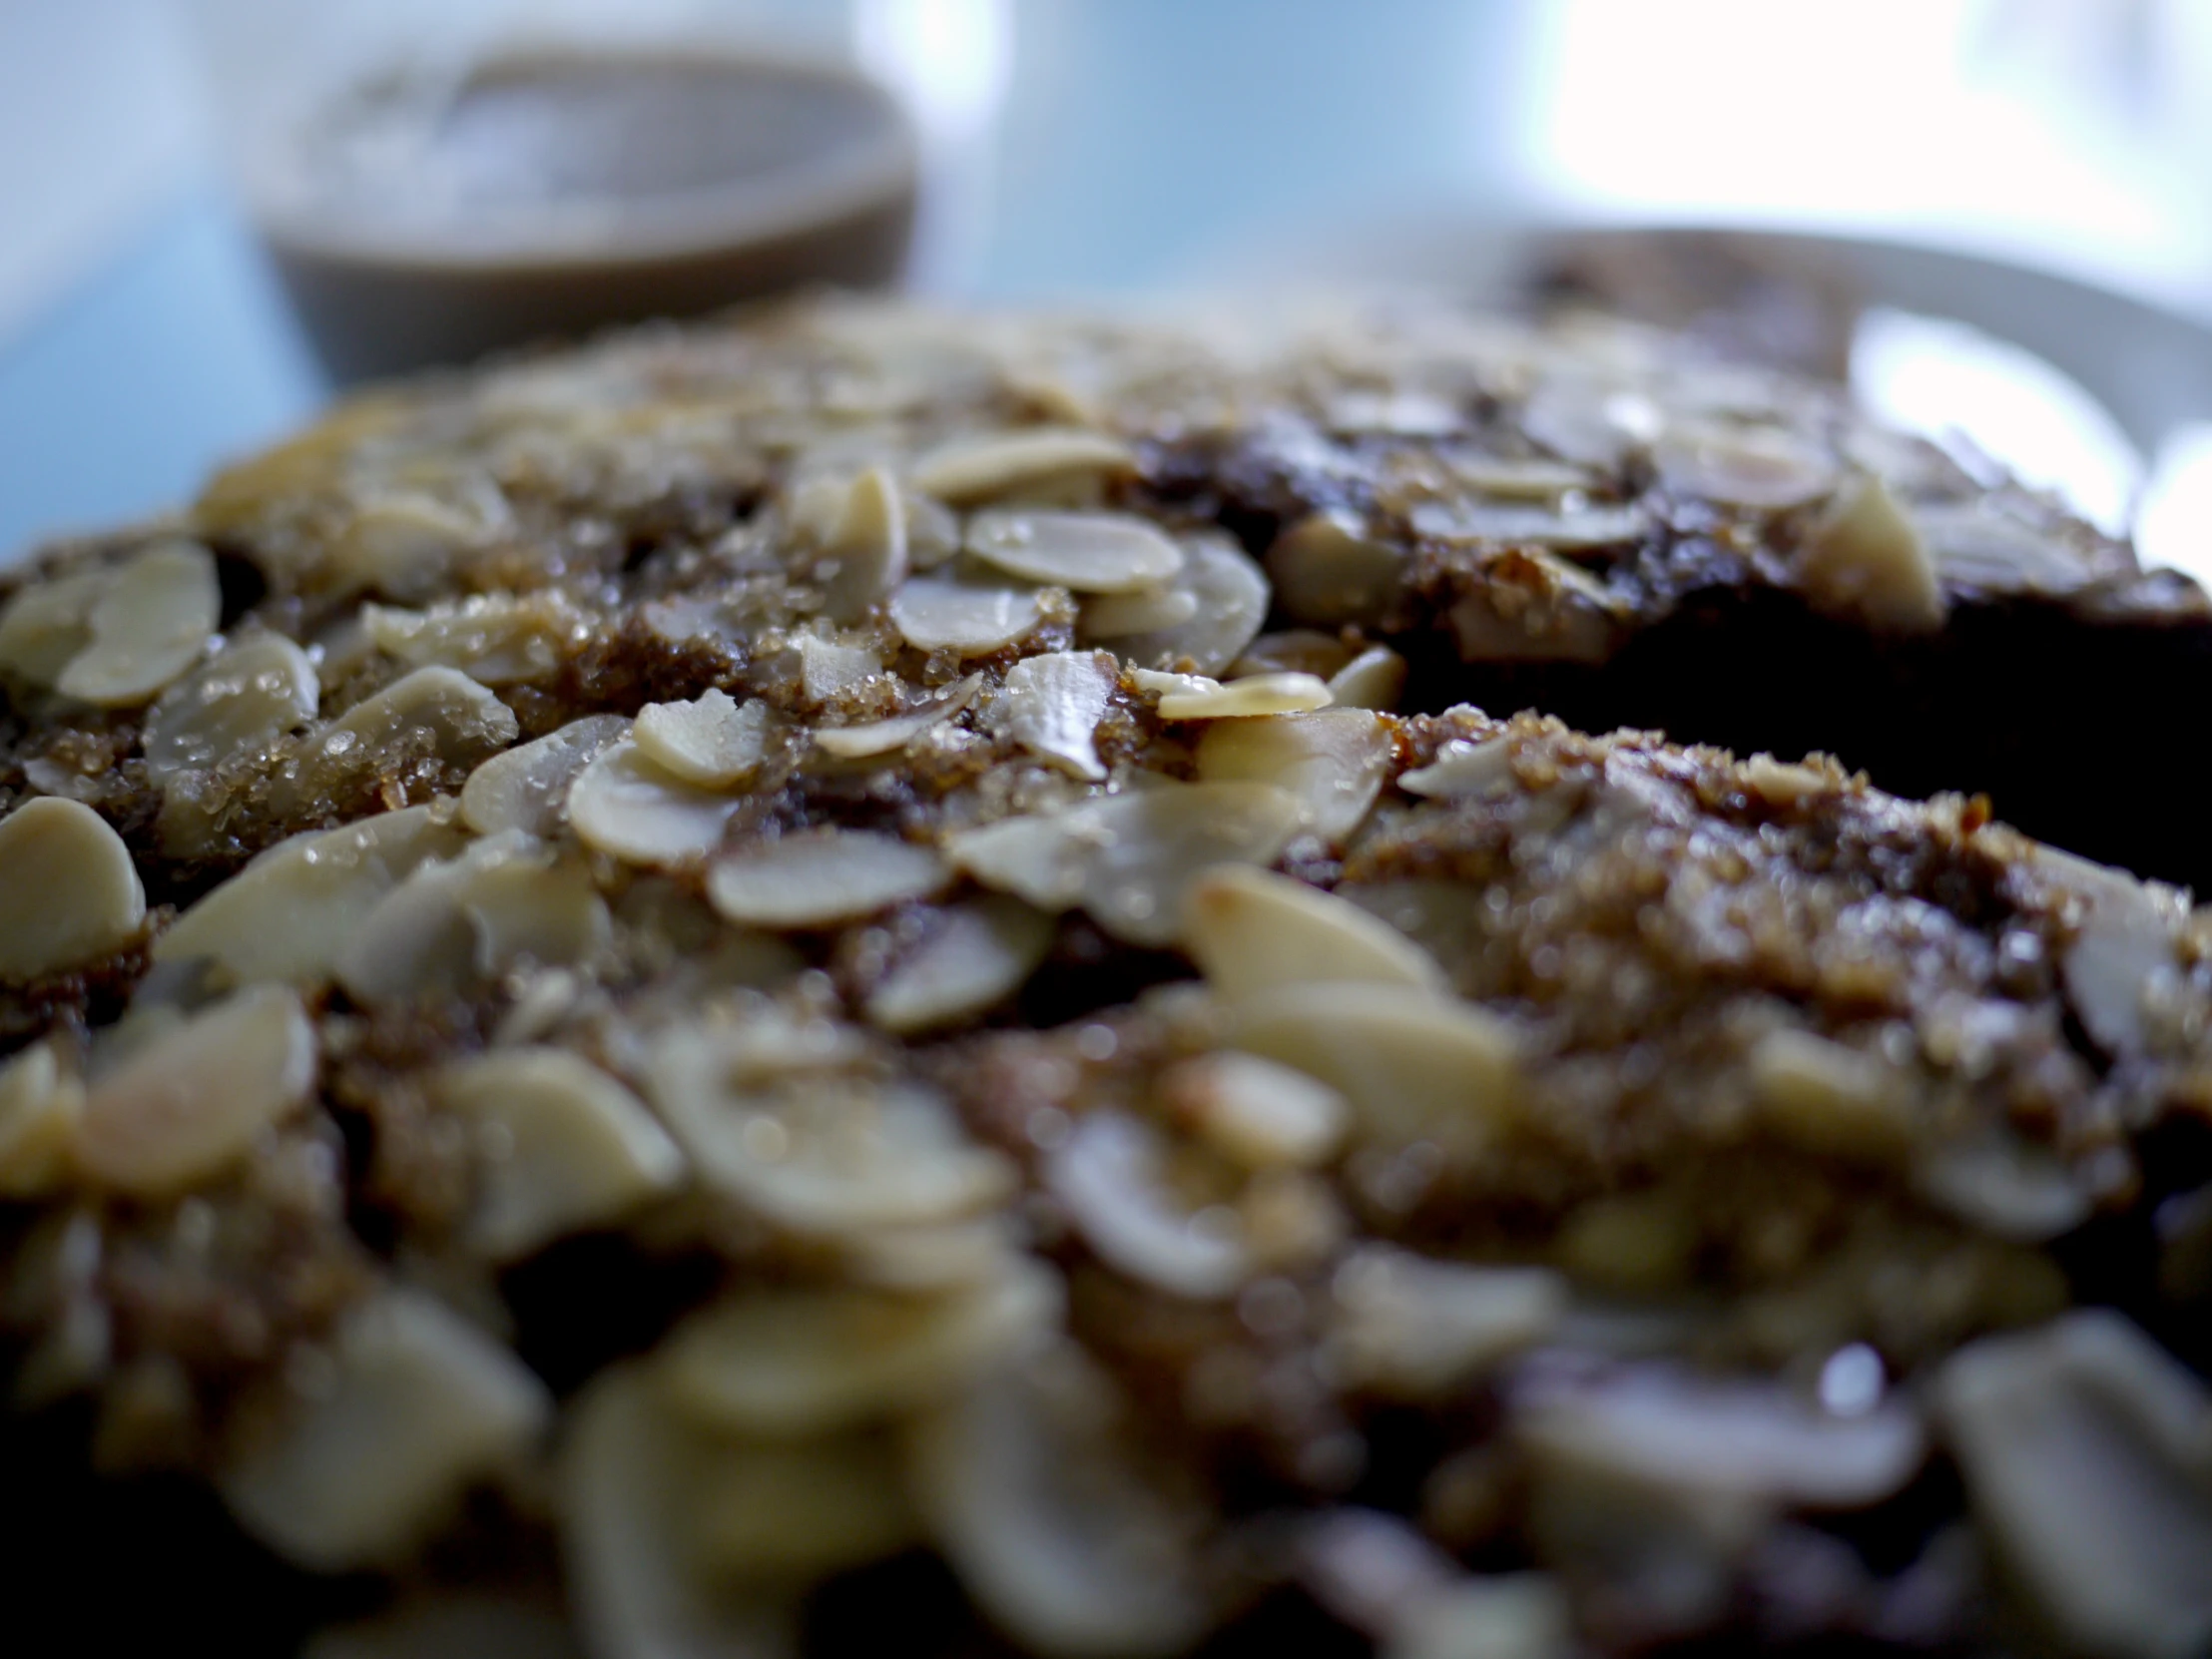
(495, 639)
(772, 1123)
(1865, 560)
(244, 698)
(1051, 1525)
(819, 877)
(454, 924)
(149, 624)
(829, 670)
(2005, 1185)
(288, 914)
(979, 954)
(637, 1486)
(1051, 705)
(1762, 467)
(864, 555)
(46, 623)
(1257, 694)
(193, 1100)
(1107, 1176)
(422, 1405)
(934, 614)
(1333, 762)
(1420, 1329)
(1376, 679)
(1231, 604)
(712, 741)
(1511, 478)
(1130, 859)
(463, 721)
(401, 545)
(1252, 930)
(1083, 552)
(1326, 570)
(68, 889)
(2084, 1448)
(40, 1107)
(1466, 772)
(889, 737)
(526, 787)
(1113, 616)
(1560, 529)
(990, 465)
(1263, 1115)
(628, 805)
(1414, 1067)
(799, 1363)
(1830, 1097)
(567, 1147)
(1785, 782)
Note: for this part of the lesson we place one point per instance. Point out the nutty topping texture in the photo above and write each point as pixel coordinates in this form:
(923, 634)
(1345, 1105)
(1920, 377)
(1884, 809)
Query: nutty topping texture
(754, 949)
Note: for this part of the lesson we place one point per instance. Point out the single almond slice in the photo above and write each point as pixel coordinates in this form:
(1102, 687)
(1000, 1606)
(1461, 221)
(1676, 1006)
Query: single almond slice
(819, 877)
(1257, 1112)
(252, 693)
(1258, 693)
(192, 1102)
(934, 614)
(1252, 930)
(712, 741)
(989, 465)
(526, 787)
(1083, 552)
(978, 954)
(1051, 705)
(1333, 762)
(889, 737)
(68, 889)
(626, 804)
(149, 626)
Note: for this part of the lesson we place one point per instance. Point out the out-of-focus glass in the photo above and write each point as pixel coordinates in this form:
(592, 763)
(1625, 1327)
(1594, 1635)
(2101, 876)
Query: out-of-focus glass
(436, 179)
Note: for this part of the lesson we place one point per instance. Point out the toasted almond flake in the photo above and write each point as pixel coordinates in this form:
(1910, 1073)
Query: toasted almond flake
(576, 1149)
(1263, 1115)
(1107, 1177)
(1053, 1530)
(1535, 606)
(934, 614)
(401, 545)
(988, 466)
(1403, 412)
(1975, 546)
(1326, 570)
(1376, 679)
(453, 924)
(1762, 467)
(68, 889)
(800, 1363)
(1083, 552)
(889, 737)
(495, 639)
(712, 741)
(192, 1102)
(241, 701)
(286, 915)
(1654, 1428)
(1258, 693)
(776, 1514)
(46, 623)
(819, 878)
(1231, 604)
(626, 804)
(2005, 1185)
(1419, 1330)
(149, 625)
(1507, 478)
(1333, 762)
(978, 954)
(1252, 930)
(526, 787)
(421, 1406)
(1865, 560)
(2123, 950)
(461, 721)
(1466, 772)
(2084, 1447)
(40, 1107)
(829, 670)
(1051, 705)
(771, 1124)
(864, 552)
(1785, 782)
(1129, 859)
(1164, 683)
(1562, 529)
(635, 1484)
(1414, 1067)
(1829, 1097)
(1586, 419)
(1113, 616)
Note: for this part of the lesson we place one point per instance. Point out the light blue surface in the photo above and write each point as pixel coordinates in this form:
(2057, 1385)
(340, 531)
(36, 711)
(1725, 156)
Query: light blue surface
(118, 405)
